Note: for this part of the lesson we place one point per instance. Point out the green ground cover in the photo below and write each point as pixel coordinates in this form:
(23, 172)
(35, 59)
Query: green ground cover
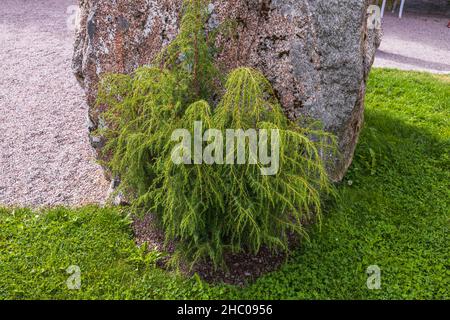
(392, 211)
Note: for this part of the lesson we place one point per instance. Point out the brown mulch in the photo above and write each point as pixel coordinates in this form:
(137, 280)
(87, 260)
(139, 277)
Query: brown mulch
(242, 268)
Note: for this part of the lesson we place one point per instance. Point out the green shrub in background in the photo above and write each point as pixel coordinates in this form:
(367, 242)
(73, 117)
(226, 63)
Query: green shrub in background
(209, 209)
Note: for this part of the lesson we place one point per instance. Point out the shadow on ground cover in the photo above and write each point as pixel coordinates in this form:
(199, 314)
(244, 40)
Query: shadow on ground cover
(392, 215)
(393, 206)
(392, 211)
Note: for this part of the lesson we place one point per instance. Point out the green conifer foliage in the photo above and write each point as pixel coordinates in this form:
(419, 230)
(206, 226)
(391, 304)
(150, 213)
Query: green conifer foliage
(210, 208)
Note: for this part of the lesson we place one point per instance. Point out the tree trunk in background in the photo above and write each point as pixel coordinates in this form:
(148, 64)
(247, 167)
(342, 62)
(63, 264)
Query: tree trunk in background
(317, 54)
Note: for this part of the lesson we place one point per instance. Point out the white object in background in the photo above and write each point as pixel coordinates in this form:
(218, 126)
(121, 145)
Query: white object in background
(401, 9)
(383, 6)
(402, 6)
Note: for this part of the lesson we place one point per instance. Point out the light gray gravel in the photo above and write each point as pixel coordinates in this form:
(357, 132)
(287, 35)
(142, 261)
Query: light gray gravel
(418, 42)
(45, 156)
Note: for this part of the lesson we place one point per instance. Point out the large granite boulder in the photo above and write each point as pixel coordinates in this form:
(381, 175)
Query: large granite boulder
(317, 54)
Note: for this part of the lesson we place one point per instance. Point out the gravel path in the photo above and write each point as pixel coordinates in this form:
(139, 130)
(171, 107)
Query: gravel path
(418, 41)
(45, 156)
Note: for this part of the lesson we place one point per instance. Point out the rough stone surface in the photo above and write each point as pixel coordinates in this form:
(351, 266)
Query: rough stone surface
(317, 54)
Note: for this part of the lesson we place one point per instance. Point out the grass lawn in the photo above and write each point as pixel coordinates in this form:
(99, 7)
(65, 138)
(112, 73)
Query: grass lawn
(392, 211)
